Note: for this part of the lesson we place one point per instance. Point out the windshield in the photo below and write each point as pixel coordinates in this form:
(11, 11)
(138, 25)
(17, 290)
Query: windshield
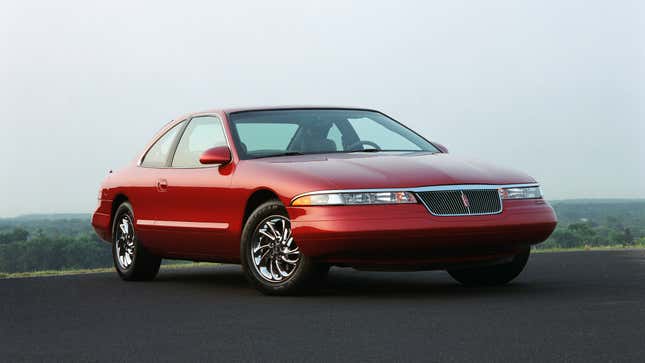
(315, 131)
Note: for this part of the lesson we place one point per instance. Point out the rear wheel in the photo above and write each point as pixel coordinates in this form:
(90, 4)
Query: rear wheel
(131, 260)
(492, 275)
(270, 256)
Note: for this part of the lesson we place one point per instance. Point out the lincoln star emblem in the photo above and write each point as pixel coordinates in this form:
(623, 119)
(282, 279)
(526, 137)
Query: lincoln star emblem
(464, 199)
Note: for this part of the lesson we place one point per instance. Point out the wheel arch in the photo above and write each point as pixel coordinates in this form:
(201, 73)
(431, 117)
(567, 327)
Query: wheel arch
(256, 198)
(118, 200)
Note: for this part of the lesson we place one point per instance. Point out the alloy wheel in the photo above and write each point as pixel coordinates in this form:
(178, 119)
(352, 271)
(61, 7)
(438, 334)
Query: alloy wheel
(274, 253)
(125, 244)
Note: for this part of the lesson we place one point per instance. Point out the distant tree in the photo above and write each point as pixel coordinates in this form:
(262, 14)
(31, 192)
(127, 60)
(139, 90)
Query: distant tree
(628, 238)
(16, 235)
(583, 232)
(614, 222)
(565, 238)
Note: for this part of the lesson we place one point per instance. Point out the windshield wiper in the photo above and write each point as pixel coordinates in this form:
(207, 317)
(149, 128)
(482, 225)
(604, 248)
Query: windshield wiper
(288, 153)
(365, 151)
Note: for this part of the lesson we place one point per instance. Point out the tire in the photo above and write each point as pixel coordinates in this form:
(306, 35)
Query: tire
(492, 275)
(269, 263)
(131, 260)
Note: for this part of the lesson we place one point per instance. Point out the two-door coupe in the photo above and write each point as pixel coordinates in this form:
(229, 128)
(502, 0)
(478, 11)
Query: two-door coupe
(289, 192)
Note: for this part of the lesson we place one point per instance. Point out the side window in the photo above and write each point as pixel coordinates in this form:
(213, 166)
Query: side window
(157, 155)
(201, 134)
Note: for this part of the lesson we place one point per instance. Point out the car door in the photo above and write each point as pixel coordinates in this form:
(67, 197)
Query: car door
(147, 189)
(195, 199)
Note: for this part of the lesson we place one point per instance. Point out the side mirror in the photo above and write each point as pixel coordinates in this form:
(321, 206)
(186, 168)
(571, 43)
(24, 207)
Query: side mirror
(216, 155)
(441, 148)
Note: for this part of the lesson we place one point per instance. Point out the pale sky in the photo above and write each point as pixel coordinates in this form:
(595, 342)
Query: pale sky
(553, 88)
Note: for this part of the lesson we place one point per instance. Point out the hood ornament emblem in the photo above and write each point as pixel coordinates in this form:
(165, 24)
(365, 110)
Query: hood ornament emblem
(465, 200)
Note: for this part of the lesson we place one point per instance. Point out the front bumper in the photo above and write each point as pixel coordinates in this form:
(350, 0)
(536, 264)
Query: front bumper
(409, 234)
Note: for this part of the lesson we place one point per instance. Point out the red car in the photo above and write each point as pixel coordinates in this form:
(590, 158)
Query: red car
(289, 192)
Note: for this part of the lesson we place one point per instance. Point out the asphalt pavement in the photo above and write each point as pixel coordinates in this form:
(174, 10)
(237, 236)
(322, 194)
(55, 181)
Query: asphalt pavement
(572, 306)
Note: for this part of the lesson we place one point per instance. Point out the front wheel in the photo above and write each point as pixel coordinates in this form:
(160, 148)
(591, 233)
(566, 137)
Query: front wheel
(131, 260)
(492, 275)
(271, 258)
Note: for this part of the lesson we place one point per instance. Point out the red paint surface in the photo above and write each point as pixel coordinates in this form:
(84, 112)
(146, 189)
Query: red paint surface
(371, 235)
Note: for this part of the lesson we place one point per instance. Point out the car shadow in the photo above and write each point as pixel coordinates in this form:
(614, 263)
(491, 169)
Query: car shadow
(346, 282)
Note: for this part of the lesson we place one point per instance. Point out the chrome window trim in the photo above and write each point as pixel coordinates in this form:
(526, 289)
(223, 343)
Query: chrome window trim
(432, 188)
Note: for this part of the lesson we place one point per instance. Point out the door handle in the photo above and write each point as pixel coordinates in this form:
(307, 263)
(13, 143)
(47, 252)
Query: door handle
(162, 185)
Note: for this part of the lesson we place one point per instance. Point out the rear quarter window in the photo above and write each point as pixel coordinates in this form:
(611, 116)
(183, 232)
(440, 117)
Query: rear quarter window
(158, 154)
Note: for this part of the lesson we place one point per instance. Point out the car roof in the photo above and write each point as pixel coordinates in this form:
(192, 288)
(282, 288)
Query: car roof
(230, 110)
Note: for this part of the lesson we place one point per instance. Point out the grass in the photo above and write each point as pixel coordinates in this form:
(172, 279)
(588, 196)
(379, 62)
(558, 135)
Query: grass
(589, 248)
(181, 265)
(45, 273)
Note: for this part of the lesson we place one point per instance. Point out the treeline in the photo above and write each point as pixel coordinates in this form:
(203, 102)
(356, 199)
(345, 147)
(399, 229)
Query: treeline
(49, 244)
(596, 223)
(53, 242)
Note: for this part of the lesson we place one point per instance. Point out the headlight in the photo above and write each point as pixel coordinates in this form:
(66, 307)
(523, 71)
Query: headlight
(521, 193)
(360, 198)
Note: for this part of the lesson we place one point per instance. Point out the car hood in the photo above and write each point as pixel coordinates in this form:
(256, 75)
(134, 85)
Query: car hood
(393, 170)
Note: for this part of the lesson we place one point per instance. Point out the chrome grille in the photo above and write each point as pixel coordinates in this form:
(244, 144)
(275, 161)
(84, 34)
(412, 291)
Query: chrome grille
(457, 202)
